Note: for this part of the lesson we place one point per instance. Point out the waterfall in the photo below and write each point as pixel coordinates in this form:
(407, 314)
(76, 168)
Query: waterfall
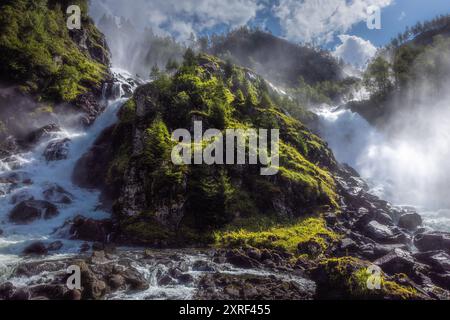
(405, 168)
(40, 174)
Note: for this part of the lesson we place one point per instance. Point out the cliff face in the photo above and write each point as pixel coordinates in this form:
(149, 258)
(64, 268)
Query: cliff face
(44, 65)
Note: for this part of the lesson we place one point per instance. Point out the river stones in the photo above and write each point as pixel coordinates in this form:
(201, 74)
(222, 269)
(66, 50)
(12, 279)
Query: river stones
(28, 211)
(410, 221)
(36, 248)
(56, 194)
(434, 240)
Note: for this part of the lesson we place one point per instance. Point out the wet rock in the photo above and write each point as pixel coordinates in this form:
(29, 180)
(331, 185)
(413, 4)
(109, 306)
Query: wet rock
(98, 257)
(431, 241)
(201, 265)
(90, 230)
(31, 210)
(16, 178)
(240, 260)
(22, 195)
(116, 282)
(166, 280)
(57, 150)
(438, 260)
(377, 231)
(91, 107)
(55, 246)
(57, 194)
(50, 291)
(249, 287)
(85, 247)
(73, 295)
(135, 280)
(36, 248)
(34, 137)
(21, 295)
(1, 232)
(254, 253)
(397, 261)
(6, 290)
(410, 221)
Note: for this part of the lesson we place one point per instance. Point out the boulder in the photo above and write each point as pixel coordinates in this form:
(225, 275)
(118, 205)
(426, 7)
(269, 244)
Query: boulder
(56, 194)
(410, 221)
(90, 230)
(116, 282)
(240, 260)
(36, 248)
(22, 195)
(397, 261)
(434, 240)
(201, 265)
(55, 246)
(34, 137)
(31, 210)
(377, 231)
(438, 260)
(57, 150)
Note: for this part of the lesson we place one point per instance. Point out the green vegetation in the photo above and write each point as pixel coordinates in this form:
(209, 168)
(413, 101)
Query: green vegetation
(192, 202)
(273, 233)
(38, 53)
(347, 278)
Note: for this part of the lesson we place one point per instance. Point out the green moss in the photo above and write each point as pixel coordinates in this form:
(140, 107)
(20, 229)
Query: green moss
(348, 277)
(128, 111)
(266, 232)
(39, 54)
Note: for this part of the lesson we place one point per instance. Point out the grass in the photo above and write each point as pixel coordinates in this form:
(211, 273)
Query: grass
(267, 232)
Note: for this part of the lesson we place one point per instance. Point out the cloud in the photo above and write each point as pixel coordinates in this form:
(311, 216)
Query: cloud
(179, 18)
(321, 19)
(355, 50)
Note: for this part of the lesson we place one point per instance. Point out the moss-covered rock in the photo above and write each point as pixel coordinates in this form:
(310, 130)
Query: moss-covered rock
(39, 53)
(349, 278)
(192, 201)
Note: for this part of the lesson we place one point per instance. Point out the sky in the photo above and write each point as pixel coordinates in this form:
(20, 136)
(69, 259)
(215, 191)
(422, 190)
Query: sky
(337, 25)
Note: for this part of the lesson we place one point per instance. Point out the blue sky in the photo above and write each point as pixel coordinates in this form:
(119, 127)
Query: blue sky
(338, 25)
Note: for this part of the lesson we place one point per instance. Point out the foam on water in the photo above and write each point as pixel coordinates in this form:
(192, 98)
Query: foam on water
(42, 173)
(394, 168)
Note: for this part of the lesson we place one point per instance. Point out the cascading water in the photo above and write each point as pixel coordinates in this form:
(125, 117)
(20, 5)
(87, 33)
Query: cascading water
(405, 169)
(40, 175)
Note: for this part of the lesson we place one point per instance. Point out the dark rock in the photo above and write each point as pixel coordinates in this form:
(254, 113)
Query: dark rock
(34, 137)
(166, 280)
(90, 230)
(6, 290)
(22, 195)
(431, 241)
(91, 107)
(410, 221)
(254, 253)
(311, 248)
(185, 278)
(28, 211)
(397, 261)
(73, 295)
(438, 260)
(98, 257)
(135, 280)
(21, 295)
(55, 246)
(36, 248)
(50, 291)
(377, 231)
(16, 177)
(57, 150)
(56, 194)
(85, 247)
(201, 265)
(1, 232)
(240, 260)
(116, 282)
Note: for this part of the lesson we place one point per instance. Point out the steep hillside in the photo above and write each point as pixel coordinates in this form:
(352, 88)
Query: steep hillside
(43, 65)
(278, 60)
